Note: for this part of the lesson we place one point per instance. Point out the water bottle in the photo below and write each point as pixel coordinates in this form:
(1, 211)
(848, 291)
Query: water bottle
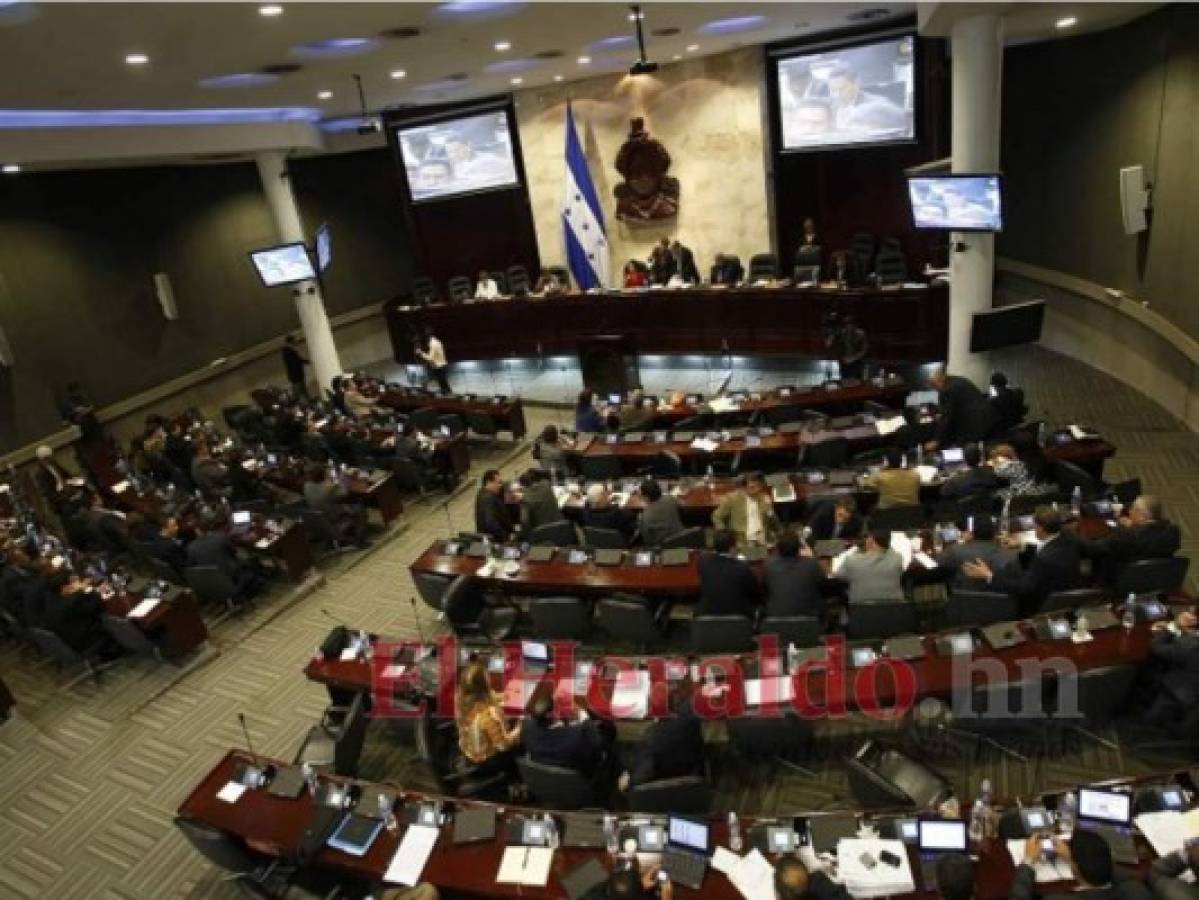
(1130, 612)
(1067, 809)
(903, 461)
(551, 832)
(1041, 433)
(792, 657)
(309, 777)
(709, 476)
(611, 835)
(1076, 500)
(978, 821)
(734, 833)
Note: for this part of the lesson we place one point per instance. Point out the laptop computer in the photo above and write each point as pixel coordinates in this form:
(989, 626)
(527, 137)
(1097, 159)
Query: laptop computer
(936, 837)
(685, 858)
(1109, 814)
(583, 831)
(474, 824)
(824, 832)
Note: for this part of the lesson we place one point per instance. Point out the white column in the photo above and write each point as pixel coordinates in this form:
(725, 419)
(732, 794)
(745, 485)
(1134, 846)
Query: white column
(276, 183)
(977, 48)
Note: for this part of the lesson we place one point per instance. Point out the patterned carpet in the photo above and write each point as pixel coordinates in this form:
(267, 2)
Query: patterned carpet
(90, 778)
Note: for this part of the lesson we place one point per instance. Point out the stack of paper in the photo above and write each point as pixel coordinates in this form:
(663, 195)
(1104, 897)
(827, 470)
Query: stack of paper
(143, 609)
(775, 690)
(1058, 870)
(630, 697)
(879, 880)
(411, 855)
(753, 876)
(705, 444)
(723, 404)
(1168, 831)
(890, 426)
(525, 865)
(927, 474)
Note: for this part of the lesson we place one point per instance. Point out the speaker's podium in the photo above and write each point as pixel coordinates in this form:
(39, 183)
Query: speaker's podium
(608, 363)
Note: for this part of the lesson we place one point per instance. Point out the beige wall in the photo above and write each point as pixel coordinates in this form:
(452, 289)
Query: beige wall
(708, 114)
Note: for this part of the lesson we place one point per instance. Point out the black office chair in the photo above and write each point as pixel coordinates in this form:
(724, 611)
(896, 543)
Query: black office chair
(130, 637)
(1151, 576)
(599, 468)
(663, 464)
(432, 588)
(411, 476)
(67, 658)
(212, 586)
(518, 280)
(453, 422)
(898, 518)
(423, 290)
(459, 289)
(881, 619)
(883, 777)
(469, 616)
(161, 568)
(501, 281)
(1002, 716)
(1065, 601)
(785, 739)
(322, 530)
(1092, 699)
(722, 634)
(556, 786)
(972, 609)
(691, 538)
(687, 794)
(861, 249)
(436, 742)
(891, 266)
(1069, 476)
(699, 422)
(604, 538)
(763, 266)
(335, 745)
(559, 618)
(632, 620)
(425, 420)
(827, 454)
(1127, 491)
(802, 631)
(225, 852)
(555, 534)
(480, 427)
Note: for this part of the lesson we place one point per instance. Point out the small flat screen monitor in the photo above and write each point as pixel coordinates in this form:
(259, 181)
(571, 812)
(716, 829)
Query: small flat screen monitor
(849, 96)
(458, 156)
(956, 202)
(285, 264)
(940, 836)
(1111, 807)
(324, 248)
(688, 833)
(1008, 326)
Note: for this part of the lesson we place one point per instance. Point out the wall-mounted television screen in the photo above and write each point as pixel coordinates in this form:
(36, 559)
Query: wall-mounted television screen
(956, 202)
(863, 94)
(458, 156)
(285, 264)
(1007, 326)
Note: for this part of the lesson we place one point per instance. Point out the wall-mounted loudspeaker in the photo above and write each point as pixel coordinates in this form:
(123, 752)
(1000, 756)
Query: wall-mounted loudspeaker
(166, 296)
(1134, 199)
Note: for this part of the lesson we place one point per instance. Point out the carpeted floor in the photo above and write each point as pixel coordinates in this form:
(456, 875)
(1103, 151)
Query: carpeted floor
(89, 779)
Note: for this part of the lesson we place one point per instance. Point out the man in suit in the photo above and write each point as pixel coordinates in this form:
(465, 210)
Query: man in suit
(212, 547)
(208, 475)
(491, 513)
(838, 520)
(727, 585)
(51, 479)
(849, 345)
(538, 505)
(672, 747)
(331, 499)
(1054, 565)
(975, 479)
(1090, 860)
(977, 544)
(661, 518)
(638, 414)
(727, 270)
(684, 263)
(1177, 646)
(896, 485)
(600, 513)
(74, 612)
(585, 746)
(662, 264)
(794, 582)
(1007, 403)
(1143, 534)
(1166, 874)
(748, 512)
(293, 364)
(964, 415)
(633, 884)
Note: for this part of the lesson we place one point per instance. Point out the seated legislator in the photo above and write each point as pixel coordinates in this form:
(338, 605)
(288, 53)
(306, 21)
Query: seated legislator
(159, 540)
(74, 612)
(661, 517)
(972, 481)
(662, 264)
(485, 287)
(635, 274)
(598, 512)
(896, 485)
(873, 571)
(977, 544)
(552, 448)
(794, 583)
(1176, 701)
(538, 505)
(586, 746)
(1007, 402)
(331, 500)
(209, 475)
(548, 285)
(726, 269)
(357, 403)
(964, 414)
(50, 478)
(638, 414)
(955, 876)
(633, 884)
(1019, 480)
(1090, 861)
(212, 547)
(672, 747)
(483, 737)
(727, 585)
(748, 512)
(1176, 875)
(838, 519)
(1053, 566)
(684, 263)
(587, 418)
(793, 881)
(491, 513)
(1143, 534)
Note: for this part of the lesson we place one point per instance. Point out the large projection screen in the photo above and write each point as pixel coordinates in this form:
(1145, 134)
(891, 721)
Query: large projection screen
(849, 96)
(458, 156)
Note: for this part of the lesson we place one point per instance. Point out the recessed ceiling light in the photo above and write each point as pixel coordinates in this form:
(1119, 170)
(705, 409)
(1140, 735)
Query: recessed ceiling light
(634, 16)
(11, 169)
(677, 56)
(584, 60)
(691, 48)
(324, 95)
(398, 74)
(136, 59)
(502, 46)
(270, 9)
(557, 78)
(1067, 22)
(518, 80)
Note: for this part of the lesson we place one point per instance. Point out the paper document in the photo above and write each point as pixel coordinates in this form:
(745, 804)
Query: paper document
(143, 609)
(350, 653)
(881, 879)
(120, 487)
(927, 474)
(902, 545)
(561, 494)
(411, 855)
(231, 792)
(925, 560)
(753, 876)
(1166, 831)
(723, 404)
(529, 866)
(263, 543)
(1081, 434)
(890, 426)
(724, 860)
(1058, 870)
(394, 671)
(704, 444)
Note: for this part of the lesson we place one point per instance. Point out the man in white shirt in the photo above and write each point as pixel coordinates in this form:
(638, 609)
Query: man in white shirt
(485, 287)
(436, 362)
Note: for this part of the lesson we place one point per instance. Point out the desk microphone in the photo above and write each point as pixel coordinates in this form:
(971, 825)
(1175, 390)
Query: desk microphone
(449, 520)
(241, 717)
(420, 632)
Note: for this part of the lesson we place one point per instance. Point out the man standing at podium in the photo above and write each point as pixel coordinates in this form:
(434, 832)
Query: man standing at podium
(849, 346)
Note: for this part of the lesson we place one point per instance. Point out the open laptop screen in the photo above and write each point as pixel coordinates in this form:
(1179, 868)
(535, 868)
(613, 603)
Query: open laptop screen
(1105, 806)
(938, 836)
(689, 834)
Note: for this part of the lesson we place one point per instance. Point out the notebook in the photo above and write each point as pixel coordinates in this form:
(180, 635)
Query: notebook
(580, 881)
(529, 866)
